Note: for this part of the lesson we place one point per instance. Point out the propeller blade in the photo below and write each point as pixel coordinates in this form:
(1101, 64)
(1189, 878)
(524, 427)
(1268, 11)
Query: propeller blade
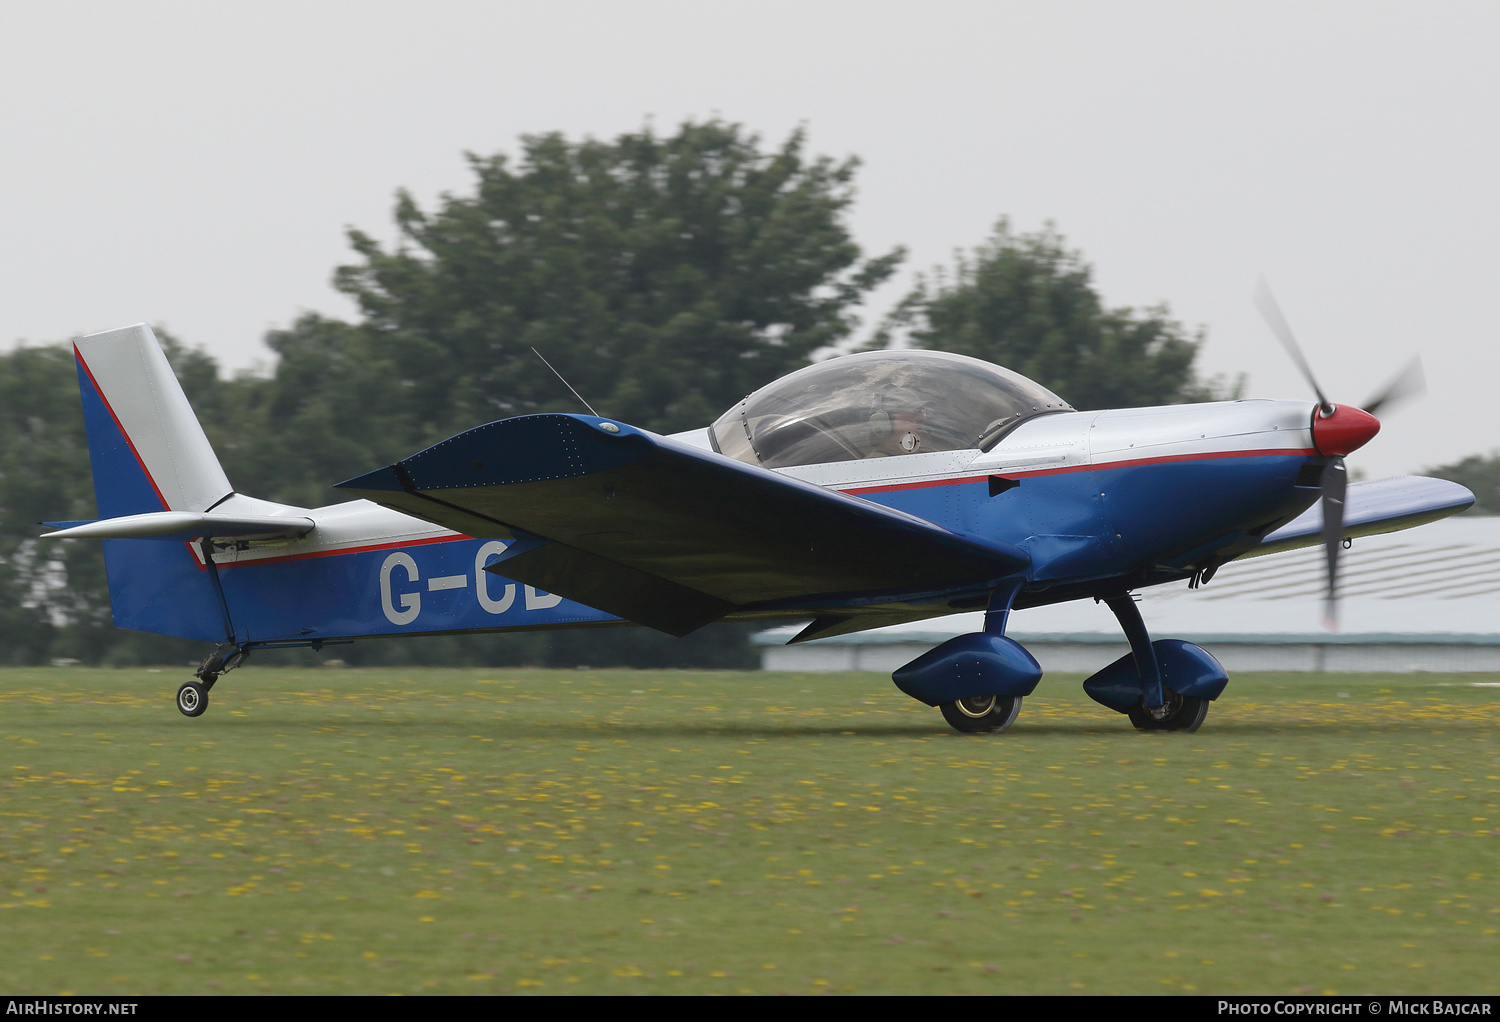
(1271, 313)
(1335, 484)
(1408, 383)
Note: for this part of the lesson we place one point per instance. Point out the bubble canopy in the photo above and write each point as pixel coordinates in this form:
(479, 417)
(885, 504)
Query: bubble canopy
(880, 404)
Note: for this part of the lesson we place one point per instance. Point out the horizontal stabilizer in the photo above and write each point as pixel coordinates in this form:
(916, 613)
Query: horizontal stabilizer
(1372, 508)
(671, 536)
(186, 525)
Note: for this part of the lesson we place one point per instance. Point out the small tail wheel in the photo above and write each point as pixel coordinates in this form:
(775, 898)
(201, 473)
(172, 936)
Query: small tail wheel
(982, 714)
(1178, 713)
(192, 698)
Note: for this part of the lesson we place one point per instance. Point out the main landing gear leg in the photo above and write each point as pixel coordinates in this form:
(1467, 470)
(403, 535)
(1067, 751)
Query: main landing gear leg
(976, 680)
(1159, 708)
(981, 714)
(1129, 616)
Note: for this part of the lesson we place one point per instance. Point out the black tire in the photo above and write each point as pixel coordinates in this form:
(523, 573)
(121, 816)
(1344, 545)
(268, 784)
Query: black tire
(982, 714)
(1178, 713)
(192, 699)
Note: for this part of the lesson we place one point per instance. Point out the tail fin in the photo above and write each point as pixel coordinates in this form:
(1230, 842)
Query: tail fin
(146, 447)
(149, 453)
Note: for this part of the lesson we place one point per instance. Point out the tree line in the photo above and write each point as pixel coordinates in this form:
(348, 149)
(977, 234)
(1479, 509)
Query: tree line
(665, 276)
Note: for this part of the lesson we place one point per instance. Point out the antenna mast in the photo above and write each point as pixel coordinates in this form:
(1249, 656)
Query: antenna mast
(565, 383)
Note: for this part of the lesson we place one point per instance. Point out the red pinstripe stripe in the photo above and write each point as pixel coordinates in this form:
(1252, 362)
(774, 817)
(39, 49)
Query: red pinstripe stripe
(336, 553)
(1207, 456)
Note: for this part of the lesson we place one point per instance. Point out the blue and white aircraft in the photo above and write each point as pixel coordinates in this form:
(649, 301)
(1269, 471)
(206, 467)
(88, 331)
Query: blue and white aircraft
(862, 491)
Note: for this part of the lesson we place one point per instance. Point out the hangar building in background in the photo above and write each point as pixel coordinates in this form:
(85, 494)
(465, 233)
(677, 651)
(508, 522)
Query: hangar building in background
(1426, 599)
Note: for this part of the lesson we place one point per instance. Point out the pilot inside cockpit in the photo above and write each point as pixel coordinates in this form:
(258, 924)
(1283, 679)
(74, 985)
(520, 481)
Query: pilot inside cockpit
(896, 424)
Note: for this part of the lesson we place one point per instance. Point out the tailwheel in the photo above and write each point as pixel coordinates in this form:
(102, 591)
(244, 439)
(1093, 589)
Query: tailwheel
(1178, 713)
(192, 698)
(982, 714)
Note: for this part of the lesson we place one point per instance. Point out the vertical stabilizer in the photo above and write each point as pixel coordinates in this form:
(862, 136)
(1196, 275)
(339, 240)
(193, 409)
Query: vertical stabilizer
(148, 453)
(146, 447)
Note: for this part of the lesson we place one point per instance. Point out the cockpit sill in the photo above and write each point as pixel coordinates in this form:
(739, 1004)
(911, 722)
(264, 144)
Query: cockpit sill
(1070, 441)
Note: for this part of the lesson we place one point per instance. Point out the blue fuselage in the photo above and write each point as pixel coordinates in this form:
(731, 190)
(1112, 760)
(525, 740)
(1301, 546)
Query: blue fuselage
(1095, 510)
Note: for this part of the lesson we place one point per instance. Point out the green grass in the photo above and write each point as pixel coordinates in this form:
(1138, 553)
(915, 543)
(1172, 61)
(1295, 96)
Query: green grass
(464, 831)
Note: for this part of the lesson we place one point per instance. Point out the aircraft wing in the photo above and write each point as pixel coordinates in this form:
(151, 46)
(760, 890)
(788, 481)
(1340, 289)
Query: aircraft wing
(1383, 505)
(669, 536)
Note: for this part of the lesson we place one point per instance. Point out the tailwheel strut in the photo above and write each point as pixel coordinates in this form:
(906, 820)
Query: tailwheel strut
(192, 697)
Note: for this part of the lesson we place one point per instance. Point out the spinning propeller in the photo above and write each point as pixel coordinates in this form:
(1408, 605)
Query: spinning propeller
(1336, 431)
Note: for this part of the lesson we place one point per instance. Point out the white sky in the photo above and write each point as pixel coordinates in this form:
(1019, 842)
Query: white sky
(196, 164)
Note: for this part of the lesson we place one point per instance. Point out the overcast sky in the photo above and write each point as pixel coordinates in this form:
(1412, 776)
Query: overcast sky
(197, 164)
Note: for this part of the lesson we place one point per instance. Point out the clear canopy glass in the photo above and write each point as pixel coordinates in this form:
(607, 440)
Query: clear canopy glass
(880, 404)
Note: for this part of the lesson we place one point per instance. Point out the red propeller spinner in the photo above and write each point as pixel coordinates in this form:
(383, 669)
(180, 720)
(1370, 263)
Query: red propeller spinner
(1342, 430)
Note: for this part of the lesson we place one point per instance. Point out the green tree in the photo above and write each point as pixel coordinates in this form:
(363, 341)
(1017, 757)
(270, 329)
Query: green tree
(1480, 474)
(1027, 302)
(665, 278)
(333, 408)
(43, 475)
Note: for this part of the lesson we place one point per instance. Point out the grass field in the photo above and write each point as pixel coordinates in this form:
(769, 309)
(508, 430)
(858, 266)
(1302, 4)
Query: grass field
(463, 831)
